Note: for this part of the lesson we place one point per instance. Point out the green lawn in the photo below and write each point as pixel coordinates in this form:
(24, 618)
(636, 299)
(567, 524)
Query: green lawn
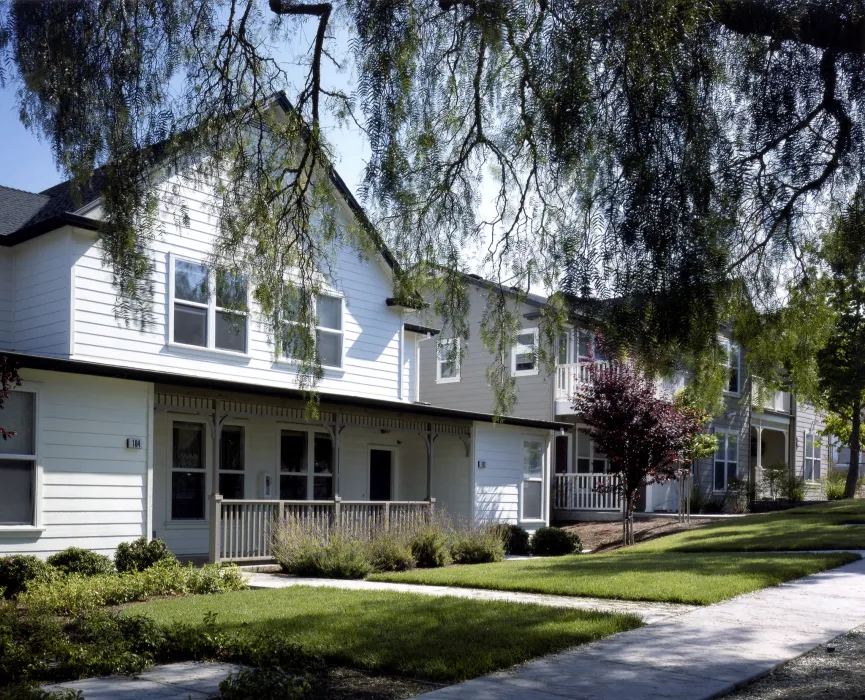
(700, 578)
(442, 639)
(809, 527)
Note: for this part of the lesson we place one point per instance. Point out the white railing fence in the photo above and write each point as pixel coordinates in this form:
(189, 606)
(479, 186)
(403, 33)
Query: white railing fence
(241, 530)
(581, 492)
(571, 377)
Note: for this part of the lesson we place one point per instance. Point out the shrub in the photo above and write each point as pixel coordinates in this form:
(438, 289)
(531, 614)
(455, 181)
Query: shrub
(75, 560)
(554, 542)
(774, 476)
(430, 547)
(266, 682)
(31, 691)
(390, 552)
(76, 594)
(141, 554)
(306, 549)
(835, 484)
(516, 540)
(477, 545)
(792, 488)
(18, 570)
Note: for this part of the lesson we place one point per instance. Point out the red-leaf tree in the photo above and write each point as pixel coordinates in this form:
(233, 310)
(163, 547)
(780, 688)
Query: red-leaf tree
(9, 379)
(645, 437)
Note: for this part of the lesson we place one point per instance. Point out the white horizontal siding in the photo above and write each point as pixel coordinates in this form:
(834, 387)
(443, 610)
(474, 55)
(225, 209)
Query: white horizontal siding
(41, 298)
(93, 489)
(7, 299)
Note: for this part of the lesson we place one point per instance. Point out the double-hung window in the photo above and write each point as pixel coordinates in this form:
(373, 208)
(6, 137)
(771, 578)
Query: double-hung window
(298, 449)
(730, 361)
(18, 460)
(188, 472)
(524, 359)
(533, 479)
(327, 336)
(448, 361)
(726, 460)
(589, 460)
(812, 457)
(208, 310)
(232, 460)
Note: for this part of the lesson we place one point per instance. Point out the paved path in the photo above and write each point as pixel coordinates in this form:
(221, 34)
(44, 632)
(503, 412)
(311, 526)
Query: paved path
(699, 655)
(184, 681)
(650, 612)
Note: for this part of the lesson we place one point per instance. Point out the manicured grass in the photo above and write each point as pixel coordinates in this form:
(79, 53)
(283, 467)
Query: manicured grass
(809, 527)
(443, 639)
(699, 578)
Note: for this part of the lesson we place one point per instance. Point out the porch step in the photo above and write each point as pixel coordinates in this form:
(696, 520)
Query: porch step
(261, 568)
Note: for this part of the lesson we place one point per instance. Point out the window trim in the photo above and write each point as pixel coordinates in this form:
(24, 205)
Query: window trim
(725, 433)
(311, 431)
(577, 457)
(285, 359)
(815, 450)
(37, 526)
(525, 372)
(211, 307)
(728, 344)
(525, 478)
(189, 523)
(439, 360)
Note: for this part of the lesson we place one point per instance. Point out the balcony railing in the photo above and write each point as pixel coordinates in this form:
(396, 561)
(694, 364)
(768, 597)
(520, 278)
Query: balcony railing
(582, 492)
(571, 377)
(780, 401)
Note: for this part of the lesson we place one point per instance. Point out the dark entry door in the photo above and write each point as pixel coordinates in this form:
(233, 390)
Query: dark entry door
(379, 474)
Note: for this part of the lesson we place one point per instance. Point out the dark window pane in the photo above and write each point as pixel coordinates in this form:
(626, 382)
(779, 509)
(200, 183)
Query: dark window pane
(190, 325)
(525, 361)
(295, 338)
(329, 347)
(16, 494)
(292, 488)
(322, 488)
(293, 451)
(532, 492)
(323, 454)
(561, 454)
(719, 476)
(188, 446)
(231, 448)
(231, 291)
(230, 331)
(598, 466)
(584, 466)
(17, 414)
(731, 470)
(190, 281)
(187, 495)
(231, 485)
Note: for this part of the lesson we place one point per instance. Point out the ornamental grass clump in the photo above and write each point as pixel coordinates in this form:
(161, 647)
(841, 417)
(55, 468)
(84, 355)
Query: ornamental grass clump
(306, 548)
(473, 543)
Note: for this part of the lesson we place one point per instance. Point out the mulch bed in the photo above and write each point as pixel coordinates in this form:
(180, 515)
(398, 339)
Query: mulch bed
(350, 684)
(606, 536)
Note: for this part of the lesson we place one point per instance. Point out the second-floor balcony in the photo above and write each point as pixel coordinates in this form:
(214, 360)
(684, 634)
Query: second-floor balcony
(572, 377)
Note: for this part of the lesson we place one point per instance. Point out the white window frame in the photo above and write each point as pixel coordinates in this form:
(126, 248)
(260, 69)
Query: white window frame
(724, 439)
(592, 458)
(815, 458)
(528, 478)
(515, 351)
(316, 328)
(189, 523)
(36, 526)
(211, 307)
(311, 432)
(443, 357)
(728, 345)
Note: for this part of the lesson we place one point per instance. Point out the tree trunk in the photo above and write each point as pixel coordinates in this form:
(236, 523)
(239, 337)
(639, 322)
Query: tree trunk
(628, 520)
(853, 470)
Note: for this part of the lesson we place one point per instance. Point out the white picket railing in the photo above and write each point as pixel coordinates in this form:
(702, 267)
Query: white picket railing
(241, 530)
(571, 377)
(581, 492)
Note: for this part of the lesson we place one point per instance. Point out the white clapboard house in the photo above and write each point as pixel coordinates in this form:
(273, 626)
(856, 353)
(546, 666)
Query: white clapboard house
(193, 431)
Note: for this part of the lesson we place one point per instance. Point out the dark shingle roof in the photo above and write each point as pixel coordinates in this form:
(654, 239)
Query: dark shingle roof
(18, 208)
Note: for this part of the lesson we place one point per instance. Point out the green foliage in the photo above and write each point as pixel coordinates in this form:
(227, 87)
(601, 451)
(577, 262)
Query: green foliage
(17, 570)
(267, 682)
(738, 495)
(477, 545)
(307, 549)
(430, 548)
(389, 551)
(835, 484)
(774, 477)
(75, 560)
(32, 691)
(77, 593)
(792, 488)
(516, 539)
(555, 542)
(141, 554)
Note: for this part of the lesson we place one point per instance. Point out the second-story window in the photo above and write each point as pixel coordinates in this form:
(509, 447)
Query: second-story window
(327, 339)
(524, 353)
(448, 361)
(208, 310)
(731, 364)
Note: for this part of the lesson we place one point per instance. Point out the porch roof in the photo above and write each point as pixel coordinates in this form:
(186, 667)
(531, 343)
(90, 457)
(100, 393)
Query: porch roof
(182, 380)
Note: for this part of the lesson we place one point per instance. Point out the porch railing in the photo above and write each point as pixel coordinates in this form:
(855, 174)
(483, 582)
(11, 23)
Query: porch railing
(580, 492)
(241, 530)
(571, 377)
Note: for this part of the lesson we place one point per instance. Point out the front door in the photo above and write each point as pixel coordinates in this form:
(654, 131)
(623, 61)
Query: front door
(380, 470)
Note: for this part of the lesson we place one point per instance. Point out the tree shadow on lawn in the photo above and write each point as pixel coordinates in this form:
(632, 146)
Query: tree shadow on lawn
(439, 639)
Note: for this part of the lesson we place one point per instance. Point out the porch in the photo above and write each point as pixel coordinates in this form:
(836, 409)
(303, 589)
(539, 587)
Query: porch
(226, 468)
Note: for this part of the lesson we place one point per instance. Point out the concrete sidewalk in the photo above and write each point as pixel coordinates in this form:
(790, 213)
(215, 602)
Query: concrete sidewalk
(699, 655)
(650, 612)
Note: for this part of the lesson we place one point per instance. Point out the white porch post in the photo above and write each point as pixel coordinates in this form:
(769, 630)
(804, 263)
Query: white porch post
(215, 528)
(758, 470)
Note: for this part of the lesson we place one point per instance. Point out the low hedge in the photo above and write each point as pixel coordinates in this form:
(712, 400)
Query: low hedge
(141, 554)
(18, 570)
(555, 542)
(75, 560)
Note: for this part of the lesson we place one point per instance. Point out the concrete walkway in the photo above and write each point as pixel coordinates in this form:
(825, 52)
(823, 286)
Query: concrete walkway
(695, 656)
(650, 612)
(184, 681)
